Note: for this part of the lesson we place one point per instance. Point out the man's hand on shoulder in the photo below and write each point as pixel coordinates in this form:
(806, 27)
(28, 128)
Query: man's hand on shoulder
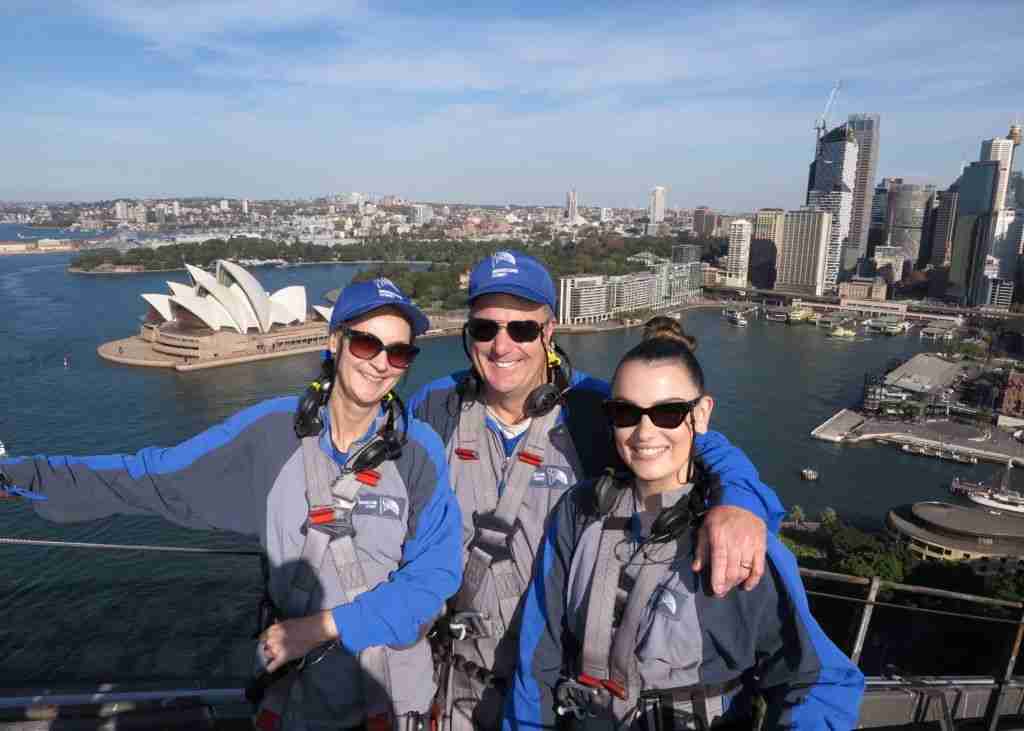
(735, 541)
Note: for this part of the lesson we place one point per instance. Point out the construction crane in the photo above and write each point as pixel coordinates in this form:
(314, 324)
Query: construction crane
(822, 124)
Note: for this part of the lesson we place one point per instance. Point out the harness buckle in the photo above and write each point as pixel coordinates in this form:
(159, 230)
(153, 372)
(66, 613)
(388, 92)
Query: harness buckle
(493, 536)
(335, 523)
(469, 624)
(578, 699)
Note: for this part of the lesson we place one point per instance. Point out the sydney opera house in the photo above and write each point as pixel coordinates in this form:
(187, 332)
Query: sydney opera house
(221, 318)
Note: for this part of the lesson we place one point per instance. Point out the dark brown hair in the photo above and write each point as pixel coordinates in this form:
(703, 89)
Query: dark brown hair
(665, 339)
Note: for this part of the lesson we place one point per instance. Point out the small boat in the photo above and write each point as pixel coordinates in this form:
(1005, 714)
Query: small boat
(3, 450)
(843, 332)
(735, 318)
(809, 474)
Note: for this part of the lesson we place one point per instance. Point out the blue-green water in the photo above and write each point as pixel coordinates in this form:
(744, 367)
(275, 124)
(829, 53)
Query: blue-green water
(84, 615)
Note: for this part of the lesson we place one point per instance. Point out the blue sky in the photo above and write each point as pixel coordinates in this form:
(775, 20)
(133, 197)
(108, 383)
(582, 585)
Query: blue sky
(488, 102)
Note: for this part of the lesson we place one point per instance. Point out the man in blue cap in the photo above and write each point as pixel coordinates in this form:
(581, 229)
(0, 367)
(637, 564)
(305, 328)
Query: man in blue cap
(350, 500)
(520, 429)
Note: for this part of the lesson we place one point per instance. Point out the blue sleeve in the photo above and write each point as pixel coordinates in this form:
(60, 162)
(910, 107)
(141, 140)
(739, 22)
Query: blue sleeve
(530, 701)
(741, 486)
(400, 610)
(218, 479)
(807, 681)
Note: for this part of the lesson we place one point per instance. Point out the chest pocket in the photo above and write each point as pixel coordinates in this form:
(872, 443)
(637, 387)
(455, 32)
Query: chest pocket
(669, 646)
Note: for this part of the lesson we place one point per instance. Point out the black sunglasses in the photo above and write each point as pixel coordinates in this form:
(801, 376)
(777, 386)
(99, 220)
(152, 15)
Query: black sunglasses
(668, 415)
(521, 331)
(367, 346)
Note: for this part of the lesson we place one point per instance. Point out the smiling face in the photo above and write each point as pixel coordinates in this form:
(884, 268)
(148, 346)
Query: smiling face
(510, 370)
(658, 457)
(366, 382)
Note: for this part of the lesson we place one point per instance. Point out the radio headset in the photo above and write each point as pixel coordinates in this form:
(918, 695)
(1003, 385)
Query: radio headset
(540, 400)
(385, 445)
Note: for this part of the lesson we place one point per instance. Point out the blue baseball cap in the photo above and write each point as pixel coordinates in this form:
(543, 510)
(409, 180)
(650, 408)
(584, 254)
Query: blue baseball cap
(359, 298)
(514, 273)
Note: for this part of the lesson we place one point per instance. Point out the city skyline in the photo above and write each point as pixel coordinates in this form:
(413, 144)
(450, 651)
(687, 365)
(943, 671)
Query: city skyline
(267, 100)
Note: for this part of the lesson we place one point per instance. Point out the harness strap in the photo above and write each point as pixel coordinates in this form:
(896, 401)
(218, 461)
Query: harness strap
(490, 550)
(604, 588)
(623, 654)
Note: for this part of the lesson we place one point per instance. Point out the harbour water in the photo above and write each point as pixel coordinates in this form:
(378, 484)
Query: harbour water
(76, 615)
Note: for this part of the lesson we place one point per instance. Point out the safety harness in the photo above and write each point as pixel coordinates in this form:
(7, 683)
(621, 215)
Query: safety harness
(332, 494)
(607, 692)
(490, 551)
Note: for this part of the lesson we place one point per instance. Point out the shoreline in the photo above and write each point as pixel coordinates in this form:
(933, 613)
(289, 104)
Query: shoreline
(358, 262)
(139, 352)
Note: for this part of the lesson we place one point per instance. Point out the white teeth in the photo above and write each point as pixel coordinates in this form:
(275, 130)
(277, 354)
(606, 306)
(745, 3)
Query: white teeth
(500, 364)
(649, 451)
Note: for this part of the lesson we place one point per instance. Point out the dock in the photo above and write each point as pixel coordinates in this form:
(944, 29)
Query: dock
(839, 426)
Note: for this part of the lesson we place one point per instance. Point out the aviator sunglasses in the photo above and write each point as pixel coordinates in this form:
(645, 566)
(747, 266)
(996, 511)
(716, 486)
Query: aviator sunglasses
(668, 415)
(521, 331)
(367, 346)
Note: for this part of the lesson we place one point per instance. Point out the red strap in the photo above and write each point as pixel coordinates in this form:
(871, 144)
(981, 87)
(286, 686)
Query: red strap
(588, 680)
(267, 720)
(530, 458)
(615, 689)
(467, 454)
(318, 516)
(368, 477)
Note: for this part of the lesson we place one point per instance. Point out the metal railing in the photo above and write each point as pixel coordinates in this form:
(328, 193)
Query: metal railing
(1001, 681)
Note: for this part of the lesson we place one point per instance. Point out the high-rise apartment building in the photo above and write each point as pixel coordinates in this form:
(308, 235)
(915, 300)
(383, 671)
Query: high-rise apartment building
(978, 187)
(583, 300)
(176, 208)
(656, 205)
(606, 215)
(830, 187)
(908, 204)
(999, 149)
(570, 207)
(805, 243)
(890, 263)
(866, 129)
(942, 232)
(738, 261)
(225, 206)
(878, 235)
(802, 256)
(768, 226)
(245, 206)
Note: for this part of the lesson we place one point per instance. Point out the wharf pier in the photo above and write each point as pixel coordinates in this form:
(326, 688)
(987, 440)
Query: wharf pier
(987, 443)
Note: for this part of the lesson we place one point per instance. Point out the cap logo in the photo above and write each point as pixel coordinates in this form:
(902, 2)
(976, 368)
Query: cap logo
(387, 288)
(503, 264)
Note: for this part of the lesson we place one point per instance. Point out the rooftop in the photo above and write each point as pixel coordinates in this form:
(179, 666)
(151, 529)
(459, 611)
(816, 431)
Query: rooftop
(924, 373)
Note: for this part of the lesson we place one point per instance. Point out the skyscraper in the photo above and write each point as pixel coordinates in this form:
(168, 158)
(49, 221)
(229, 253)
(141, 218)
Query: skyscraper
(121, 210)
(245, 206)
(942, 234)
(656, 206)
(866, 129)
(570, 206)
(908, 204)
(878, 234)
(830, 187)
(973, 235)
(805, 244)
(999, 149)
(738, 261)
(768, 225)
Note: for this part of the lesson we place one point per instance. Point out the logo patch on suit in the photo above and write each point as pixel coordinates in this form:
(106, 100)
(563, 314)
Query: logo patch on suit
(668, 603)
(550, 476)
(382, 506)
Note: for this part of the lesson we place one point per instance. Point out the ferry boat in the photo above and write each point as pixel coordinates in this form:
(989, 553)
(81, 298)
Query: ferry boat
(736, 318)
(3, 450)
(809, 474)
(777, 316)
(800, 314)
